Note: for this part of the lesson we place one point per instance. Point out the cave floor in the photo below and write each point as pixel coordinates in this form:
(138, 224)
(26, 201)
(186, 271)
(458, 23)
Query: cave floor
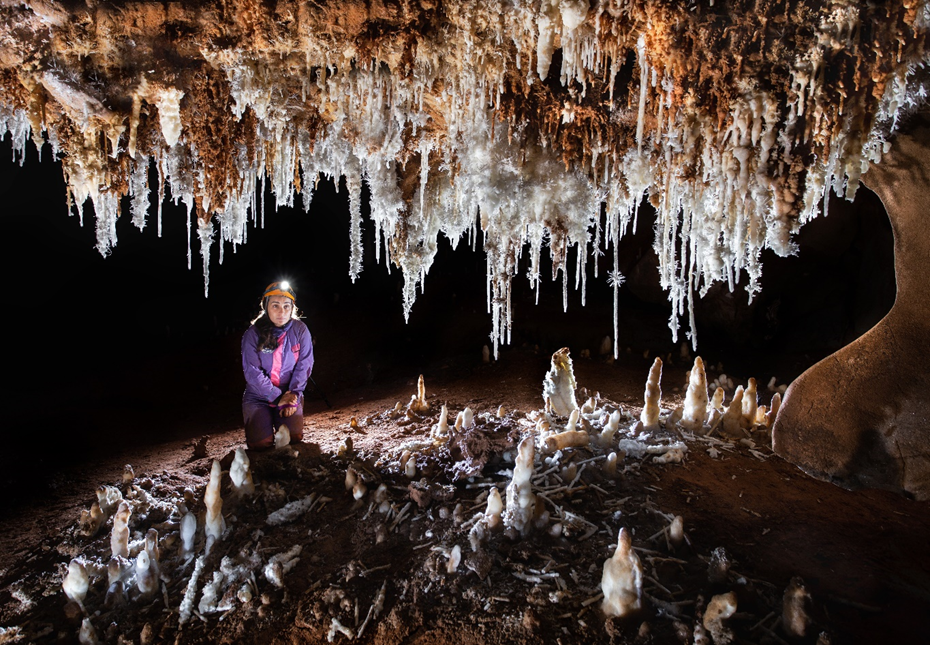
(862, 555)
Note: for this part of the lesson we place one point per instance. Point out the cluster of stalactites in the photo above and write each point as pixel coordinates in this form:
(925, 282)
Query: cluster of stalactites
(460, 132)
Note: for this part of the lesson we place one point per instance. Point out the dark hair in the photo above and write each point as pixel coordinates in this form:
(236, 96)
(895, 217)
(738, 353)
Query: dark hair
(265, 328)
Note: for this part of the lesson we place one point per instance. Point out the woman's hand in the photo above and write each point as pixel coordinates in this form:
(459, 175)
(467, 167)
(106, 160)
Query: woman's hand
(287, 404)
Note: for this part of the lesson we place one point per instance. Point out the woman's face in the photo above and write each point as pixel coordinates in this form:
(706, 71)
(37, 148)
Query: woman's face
(280, 309)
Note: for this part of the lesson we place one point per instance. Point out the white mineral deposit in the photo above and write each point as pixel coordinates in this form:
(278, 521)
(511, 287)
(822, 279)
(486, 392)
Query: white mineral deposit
(622, 579)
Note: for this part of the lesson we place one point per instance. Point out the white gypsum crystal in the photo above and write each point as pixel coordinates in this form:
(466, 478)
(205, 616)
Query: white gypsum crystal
(695, 410)
(676, 531)
(336, 627)
(87, 635)
(187, 604)
(559, 385)
(188, 533)
(76, 582)
(610, 465)
(521, 502)
(146, 573)
(119, 537)
(214, 525)
(241, 474)
(280, 564)
(718, 610)
(455, 557)
(652, 397)
(108, 497)
(622, 579)
(212, 592)
(292, 510)
(282, 437)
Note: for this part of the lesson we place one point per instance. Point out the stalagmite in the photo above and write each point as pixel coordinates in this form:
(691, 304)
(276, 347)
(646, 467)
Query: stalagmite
(695, 409)
(559, 385)
(441, 431)
(773, 412)
(652, 396)
(146, 573)
(87, 635)
(733, 417)
(282, 437)
(717, 400)
(76, 582)
(622, 580)
(119, 538)
(606, 437)
(719, 609)
(214, 525)
(241, 474)
(521, 502)
(750, 404)
(418, 402)
(92, 521)
(795, 616)
(676, 531)
(188, 532)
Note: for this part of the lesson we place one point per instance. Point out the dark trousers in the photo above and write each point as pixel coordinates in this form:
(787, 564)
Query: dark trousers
(261, 421)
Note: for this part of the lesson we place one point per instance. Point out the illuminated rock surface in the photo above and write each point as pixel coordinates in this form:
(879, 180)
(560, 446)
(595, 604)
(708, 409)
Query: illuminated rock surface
(544, 123)
(859, 417)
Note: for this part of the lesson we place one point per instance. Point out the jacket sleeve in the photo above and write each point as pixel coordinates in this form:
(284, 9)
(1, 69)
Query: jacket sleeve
(256, 379)
(304, 364)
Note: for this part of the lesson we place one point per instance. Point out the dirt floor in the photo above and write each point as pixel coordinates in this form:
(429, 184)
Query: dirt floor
(379, 569)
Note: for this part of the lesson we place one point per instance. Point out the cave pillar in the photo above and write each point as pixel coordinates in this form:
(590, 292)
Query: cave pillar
(861, 417)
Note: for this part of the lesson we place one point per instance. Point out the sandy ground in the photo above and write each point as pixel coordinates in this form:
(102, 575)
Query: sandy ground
(862, 555)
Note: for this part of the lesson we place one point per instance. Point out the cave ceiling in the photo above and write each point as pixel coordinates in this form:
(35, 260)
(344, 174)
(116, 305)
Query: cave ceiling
(542, 123)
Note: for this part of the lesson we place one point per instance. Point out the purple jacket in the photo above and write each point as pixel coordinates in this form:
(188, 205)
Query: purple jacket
(269, 374)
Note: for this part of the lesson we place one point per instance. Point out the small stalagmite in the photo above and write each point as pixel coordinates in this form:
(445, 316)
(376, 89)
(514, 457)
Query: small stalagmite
(795, 616)
(717, 401)
(441, 430)
(146, 573)
(622, 580)
(606, 437)
(240, 473)
(676, 531)
(559, 385)
(652, 397)
(695, 410)
(119, 538)
(76, 582)
(214, 524)
(733, 417)
(750, 404)
(188, 532)
(282, 437)
(418, 402)
(92, 520)
(718, 610)
(773, 411)
(521, 502)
